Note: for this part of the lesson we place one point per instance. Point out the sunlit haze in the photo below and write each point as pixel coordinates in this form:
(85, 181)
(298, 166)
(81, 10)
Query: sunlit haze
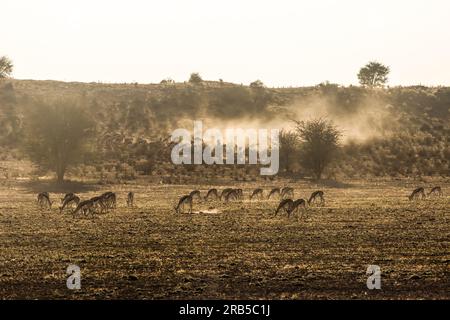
(283, 43)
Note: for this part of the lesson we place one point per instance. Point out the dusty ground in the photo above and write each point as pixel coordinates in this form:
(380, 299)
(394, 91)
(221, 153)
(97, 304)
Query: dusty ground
(240, 251)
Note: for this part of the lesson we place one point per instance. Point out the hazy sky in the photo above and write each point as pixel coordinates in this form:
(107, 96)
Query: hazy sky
(281, 42)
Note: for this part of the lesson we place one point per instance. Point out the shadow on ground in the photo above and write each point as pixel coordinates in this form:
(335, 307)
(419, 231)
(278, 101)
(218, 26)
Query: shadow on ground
(54, 187)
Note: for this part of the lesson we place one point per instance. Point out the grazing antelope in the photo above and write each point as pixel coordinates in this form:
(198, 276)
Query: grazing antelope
(240, 193)
(212, 192)
(297, 203)
(314, 196)
(113, 200)
(232, 195)
(43, 199)
(196, 193)
(42, 195)
(106, 195)
(183, 201)
(69, 200)
(130, 199)
(67, 195)
(287, 191)
(415, 194)
(274, 191)
(109, 199)
(286, 205)
(225, 192)
(98, 203)
(257, 193)
(437, 191)
(84, 206)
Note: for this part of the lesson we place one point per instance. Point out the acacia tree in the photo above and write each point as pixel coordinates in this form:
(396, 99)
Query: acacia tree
(10, 120)
(195, 78)
(6, 67)
(257, 84)
(373, 74)
(288, 149)
(319, 140)
(57, 135)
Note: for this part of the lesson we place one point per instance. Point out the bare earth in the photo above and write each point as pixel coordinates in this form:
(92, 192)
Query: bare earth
(229, 251)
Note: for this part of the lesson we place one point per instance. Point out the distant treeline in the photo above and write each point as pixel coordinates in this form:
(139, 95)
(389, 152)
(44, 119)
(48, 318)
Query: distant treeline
(400, 131)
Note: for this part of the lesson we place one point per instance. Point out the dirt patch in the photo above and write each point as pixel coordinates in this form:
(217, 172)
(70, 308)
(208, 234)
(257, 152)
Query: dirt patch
(228, 250)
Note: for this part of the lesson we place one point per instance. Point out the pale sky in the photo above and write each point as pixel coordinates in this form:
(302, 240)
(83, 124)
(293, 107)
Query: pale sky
(281, 42)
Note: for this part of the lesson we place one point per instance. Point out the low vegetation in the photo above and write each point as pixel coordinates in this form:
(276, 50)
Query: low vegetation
(400, 132)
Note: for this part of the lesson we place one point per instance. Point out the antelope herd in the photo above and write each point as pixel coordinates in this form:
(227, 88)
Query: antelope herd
(108, 200)
(419, 193)
(231, 194)
(285, 195)
(98, 204)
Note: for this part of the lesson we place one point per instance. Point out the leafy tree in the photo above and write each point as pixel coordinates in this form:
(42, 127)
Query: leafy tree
(10, 120)
(167, 81)
(57, 135)
(319, 144)
(261, 96)
(373, 74)
(288, 149)
(195, 78)
(257, 84)
(6, 67)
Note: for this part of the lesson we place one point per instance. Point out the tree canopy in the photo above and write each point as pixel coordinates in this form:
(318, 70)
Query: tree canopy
(319, 143)
(6, 67)
(195, 78)
(57, 135)
(373, 74)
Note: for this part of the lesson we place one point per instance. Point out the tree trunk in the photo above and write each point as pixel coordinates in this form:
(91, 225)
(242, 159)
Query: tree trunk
(60, 174)
(288, 170)
(318, 172)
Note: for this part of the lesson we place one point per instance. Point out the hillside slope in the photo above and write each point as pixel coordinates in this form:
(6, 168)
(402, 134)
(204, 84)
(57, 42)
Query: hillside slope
(387, 132)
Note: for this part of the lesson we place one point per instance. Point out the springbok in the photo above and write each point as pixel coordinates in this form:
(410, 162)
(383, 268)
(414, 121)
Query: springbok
(187, 199)
(257, 193)
(109, 199)
(297, 203)
(232, 195)
(315, 195)
(212, 192)
(437, 191)
(69, 199)
(98, 203)
(66, 196)
(130, 199)
(84, 206)
(286, 205)
(225, 192)
(43, 199)
(420, 191)
(274, 191)
(287, 191)
(196, 193)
